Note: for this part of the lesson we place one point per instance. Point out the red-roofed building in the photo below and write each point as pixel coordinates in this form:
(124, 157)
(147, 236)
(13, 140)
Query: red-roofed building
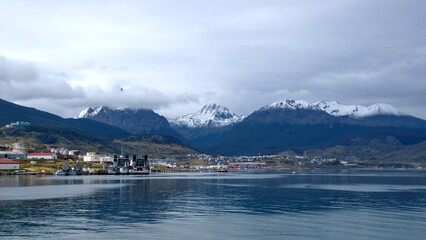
(42, 156)
(6, 164)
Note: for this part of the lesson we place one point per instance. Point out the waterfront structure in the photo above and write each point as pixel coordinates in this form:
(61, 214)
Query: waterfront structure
(93, 157)
(7, 164)
(247, 165)
(42, 156)
(123, 164)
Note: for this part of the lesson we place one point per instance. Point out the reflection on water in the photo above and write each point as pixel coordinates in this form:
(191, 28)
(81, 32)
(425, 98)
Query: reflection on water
(215, 206)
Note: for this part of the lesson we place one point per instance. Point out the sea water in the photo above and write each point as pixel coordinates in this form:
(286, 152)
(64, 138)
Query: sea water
(233, 205)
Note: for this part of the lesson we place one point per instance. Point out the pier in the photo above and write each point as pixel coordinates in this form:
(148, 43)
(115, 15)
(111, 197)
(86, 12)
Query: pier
(183, 170)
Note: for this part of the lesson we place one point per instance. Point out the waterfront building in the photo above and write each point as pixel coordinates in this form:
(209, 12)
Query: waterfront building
(7, 164)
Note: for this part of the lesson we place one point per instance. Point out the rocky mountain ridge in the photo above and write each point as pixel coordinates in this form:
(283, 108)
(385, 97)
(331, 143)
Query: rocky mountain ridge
(211, 115)
(336, 108)
(135, 121)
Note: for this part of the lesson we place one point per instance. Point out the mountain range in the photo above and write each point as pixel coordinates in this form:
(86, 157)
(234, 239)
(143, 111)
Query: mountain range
(135, 121)
(47, 130)
(274, 128)
(289, 125)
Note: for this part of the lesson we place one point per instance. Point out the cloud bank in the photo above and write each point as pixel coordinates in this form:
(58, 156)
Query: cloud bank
(175, 56)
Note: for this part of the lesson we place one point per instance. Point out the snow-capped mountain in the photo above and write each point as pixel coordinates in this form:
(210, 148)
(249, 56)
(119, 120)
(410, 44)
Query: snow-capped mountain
(337, 109)
(211, 115)
(132, 120)
(89, 112)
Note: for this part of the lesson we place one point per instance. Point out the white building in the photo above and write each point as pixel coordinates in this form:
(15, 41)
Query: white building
(7, 164)
(42, 156)
(92, 157)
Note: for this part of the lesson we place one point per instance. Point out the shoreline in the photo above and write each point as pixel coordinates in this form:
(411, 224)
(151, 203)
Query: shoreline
(242, 170)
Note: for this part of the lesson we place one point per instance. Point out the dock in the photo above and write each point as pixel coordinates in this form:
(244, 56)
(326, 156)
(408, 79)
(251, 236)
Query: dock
(183, 170)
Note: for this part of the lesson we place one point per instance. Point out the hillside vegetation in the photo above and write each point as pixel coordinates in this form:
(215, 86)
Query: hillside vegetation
(10, 112)
(42, 138)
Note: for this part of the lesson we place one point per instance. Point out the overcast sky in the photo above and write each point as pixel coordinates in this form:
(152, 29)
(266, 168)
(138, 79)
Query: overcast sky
(176, 56)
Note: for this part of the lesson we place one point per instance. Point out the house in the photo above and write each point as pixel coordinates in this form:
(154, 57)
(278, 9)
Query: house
(42, 156)
(7, 164)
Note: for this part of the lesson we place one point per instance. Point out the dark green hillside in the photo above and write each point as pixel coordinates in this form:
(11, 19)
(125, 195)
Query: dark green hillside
(152, 138)
(199, 138)
(402, 135)
(375, 151)
(42, 138)
(254, 138)
(276, 130)
(155, 145)
(10, 112)
(95, 128)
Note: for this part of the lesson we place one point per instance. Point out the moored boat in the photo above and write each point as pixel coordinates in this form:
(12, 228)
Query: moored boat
(70, 171)
(124, 165)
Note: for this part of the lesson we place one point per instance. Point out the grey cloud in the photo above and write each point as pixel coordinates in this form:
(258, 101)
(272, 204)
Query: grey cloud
(175, 56)
(23, 81)
(25, 84)
(13, 71)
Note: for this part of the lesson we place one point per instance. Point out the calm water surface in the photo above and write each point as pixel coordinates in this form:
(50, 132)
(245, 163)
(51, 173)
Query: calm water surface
(235, 205)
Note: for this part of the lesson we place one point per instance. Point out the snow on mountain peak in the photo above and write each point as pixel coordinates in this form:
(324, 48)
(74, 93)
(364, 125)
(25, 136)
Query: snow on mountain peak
(290, 104)
(384, 109)
(337, 109)
(90, 112)
(211, 115)
(93, 111)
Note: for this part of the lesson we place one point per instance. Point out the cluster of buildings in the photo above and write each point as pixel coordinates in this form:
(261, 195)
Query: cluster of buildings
(273, 160)
(21, 151)
(224, 159)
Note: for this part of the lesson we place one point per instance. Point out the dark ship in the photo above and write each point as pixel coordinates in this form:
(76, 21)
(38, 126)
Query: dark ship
(123, 164)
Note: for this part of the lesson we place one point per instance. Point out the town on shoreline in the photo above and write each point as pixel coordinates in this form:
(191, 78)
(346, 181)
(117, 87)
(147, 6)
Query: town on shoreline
(20, 159)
